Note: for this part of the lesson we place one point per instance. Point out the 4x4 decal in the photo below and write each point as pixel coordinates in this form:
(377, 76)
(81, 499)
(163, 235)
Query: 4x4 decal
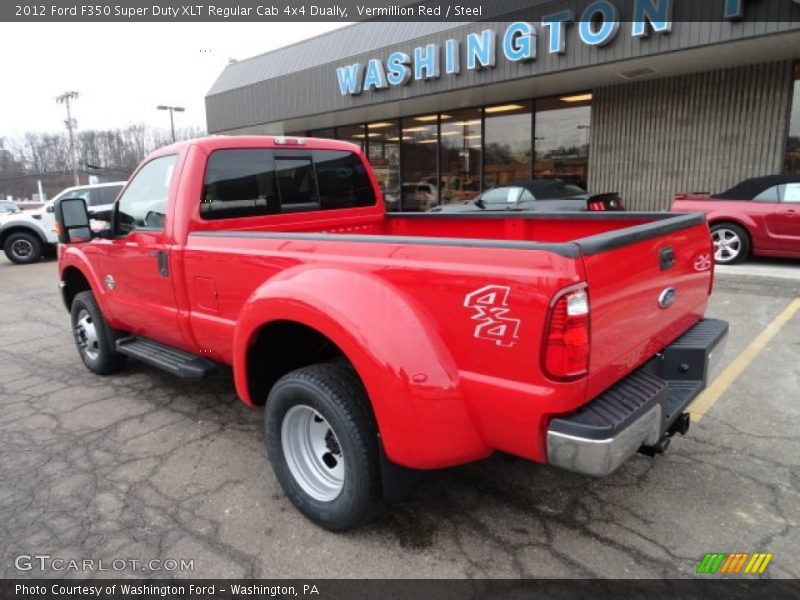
(490, 304)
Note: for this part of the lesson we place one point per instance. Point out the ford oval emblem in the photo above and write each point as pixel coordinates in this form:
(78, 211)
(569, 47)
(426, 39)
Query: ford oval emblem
(666, 298)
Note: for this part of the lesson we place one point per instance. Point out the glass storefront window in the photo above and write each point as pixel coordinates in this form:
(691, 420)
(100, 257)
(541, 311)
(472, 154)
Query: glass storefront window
(329, 133)
(460, 160)
(383, 152)
(793, 143)
(431, 159)
(562, 130)
(355, 134)
(507, 143)
(419, 187)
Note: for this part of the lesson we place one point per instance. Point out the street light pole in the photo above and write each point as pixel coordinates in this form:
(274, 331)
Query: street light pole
(171, 109)
(71, 124)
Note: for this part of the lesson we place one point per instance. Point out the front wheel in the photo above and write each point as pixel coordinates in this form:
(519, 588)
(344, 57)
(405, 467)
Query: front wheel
(323, 446)
(23, 248)
(94, 337)
(731, 243)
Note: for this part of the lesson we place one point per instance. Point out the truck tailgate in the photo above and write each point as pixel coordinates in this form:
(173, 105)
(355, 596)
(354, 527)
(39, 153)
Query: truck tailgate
(647, 285)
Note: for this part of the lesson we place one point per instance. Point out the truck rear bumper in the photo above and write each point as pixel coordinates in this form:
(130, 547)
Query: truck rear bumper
(642, 410)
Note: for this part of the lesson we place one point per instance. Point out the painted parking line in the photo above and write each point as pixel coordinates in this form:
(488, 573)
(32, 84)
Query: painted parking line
(700, 407)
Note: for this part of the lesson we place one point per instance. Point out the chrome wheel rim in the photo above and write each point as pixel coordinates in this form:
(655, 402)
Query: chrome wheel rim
(313, 453)
(86, 335)
(727, 245)
(22, 249)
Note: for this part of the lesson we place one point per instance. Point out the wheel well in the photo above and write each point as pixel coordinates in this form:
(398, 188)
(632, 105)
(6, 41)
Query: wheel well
(283, 346)
(18, 229)
(74, 283)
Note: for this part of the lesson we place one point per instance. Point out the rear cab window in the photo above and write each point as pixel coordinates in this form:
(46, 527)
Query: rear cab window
(257, 182)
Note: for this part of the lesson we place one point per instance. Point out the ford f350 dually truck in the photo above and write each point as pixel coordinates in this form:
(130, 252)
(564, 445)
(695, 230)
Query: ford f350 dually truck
(383, 344)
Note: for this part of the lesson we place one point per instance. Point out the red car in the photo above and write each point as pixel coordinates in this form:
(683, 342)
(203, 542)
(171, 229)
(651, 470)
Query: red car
(382, 343)
(759, 216)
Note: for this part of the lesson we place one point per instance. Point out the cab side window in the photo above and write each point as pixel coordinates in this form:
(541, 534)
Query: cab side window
(501, 196)
(143, 205)
(104, 195)
(771, 194)
(791, 193)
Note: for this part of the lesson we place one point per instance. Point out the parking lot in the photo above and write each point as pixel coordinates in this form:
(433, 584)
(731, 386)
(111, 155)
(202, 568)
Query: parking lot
(143, 466)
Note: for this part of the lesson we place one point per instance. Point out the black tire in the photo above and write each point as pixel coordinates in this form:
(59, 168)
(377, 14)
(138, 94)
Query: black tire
(336, 394)
(97, 352)
(737, 248)
(23, 248)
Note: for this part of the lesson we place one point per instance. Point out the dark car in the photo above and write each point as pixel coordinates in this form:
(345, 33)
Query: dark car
(545, 195)
(759, 216)
(9, 208)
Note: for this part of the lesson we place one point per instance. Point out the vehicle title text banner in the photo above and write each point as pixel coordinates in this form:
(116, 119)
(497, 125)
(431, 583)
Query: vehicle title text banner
(595, 13)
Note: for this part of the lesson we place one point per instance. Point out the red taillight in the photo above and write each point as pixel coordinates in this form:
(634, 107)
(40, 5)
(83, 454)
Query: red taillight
(597, 205)
(566, 351)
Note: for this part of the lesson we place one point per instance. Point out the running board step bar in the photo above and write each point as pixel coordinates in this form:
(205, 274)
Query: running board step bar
(179, 363)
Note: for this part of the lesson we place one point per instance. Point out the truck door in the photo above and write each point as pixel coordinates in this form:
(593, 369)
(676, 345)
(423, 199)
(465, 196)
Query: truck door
(136, 265)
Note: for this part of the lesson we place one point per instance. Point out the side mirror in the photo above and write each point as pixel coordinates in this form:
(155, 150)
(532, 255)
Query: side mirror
(51, 208)
(72, 221)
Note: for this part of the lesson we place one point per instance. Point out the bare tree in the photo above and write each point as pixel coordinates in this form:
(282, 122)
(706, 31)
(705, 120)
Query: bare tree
(110, 154)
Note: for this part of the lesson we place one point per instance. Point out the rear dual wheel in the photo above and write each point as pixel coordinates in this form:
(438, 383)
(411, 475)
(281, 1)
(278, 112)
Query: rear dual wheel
(323, 445)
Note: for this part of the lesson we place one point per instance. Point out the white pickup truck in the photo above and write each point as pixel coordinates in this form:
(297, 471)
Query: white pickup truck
(26, 236)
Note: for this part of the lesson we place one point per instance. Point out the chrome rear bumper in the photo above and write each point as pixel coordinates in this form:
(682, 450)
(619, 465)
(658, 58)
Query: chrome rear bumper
(639, 411)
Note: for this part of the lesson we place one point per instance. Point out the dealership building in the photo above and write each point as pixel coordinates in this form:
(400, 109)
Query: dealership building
(647, 107)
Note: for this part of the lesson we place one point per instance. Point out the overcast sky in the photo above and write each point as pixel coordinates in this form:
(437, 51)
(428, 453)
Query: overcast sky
(123, 70)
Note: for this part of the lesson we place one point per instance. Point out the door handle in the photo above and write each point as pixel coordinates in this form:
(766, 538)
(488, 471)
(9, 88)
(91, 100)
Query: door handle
(666, 258)
(163, 263)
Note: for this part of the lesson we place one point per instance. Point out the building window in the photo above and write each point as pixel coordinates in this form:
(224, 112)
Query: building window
(419, 178)
(355, 134)
(507, 143)
(793, 143)
(562, 130)
(460, 159)
(328, 133)
(383, 151)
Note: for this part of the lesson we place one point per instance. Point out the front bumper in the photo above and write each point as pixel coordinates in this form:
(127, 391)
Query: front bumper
(638, 411)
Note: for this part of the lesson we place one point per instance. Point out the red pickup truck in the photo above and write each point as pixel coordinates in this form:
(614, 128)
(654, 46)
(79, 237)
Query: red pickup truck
(383, 344)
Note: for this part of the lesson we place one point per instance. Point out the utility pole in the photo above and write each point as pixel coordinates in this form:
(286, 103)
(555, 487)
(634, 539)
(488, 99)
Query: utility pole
(71, 125)
(171, 109)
